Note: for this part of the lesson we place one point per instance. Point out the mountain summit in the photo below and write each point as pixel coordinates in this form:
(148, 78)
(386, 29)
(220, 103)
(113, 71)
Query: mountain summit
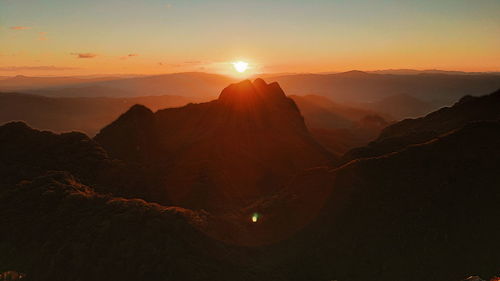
(223, 153)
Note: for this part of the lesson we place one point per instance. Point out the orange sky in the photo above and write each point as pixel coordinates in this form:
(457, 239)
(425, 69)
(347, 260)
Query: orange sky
(56, 37)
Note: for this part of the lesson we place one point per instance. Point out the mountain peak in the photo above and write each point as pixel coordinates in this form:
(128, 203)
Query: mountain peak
(247, 92)
(139, 109)
(135, 130)
(353, 73)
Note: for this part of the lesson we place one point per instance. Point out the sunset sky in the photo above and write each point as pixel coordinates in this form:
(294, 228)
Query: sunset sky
(69, 37)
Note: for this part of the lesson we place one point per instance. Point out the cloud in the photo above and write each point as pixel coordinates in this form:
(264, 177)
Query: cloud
(44, 68)
(193, 62)
(20, 27)
(189, 63)
(129, 56)
(84, 55)
(168, 6)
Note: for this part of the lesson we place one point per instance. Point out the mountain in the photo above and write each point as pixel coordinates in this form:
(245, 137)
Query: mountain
(428, 71)
(222, 153)
(399, 106)
(339, 127)
(425, 209)
(412, 131)
(21, 82)
(435, 87)
(322, 112)
(193, 85)
(86, 115)
(357, 86)
(188, 84)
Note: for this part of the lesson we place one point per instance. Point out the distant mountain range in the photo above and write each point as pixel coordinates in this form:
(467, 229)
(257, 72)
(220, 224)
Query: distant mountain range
(338, 127)
(431, 71)
(86, 115)
(436, 87)
(192, 85)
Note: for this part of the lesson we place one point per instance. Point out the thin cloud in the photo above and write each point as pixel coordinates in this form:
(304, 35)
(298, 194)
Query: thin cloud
(129, 56)
(169, 64)
(168, 6)
(20, 27)
(44, 68)
(193, 62)
(84, 55)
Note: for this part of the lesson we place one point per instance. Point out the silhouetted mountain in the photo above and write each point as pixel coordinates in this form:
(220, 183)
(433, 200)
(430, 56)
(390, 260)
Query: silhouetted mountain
(221, 153)
(87, 115)
(412, 131)
(133, 136)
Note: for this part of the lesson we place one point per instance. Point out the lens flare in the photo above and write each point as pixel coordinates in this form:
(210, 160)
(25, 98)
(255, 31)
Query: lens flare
(255, 217)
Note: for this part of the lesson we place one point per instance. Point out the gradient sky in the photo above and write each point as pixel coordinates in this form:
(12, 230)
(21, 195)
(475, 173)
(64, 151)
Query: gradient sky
(69, 37)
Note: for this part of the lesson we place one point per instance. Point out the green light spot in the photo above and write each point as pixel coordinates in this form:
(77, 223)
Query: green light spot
(255, 217)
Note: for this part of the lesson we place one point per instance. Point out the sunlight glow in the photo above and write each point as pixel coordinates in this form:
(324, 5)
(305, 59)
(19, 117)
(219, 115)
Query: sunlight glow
(240, 66)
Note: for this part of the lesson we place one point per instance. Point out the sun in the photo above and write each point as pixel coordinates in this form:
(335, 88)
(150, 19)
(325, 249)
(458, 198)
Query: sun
(240, 66)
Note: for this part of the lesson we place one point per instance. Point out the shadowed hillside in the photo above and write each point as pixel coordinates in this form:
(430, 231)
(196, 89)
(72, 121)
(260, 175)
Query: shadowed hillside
(407, 212)
(60, 229)
(411, 131)
(27, 153)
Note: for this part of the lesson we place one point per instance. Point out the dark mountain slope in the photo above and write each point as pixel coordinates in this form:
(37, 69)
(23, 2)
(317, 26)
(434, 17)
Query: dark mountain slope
(412, 131)
(428, 212)
(59, 229)
(225, 152)
(27, 153)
